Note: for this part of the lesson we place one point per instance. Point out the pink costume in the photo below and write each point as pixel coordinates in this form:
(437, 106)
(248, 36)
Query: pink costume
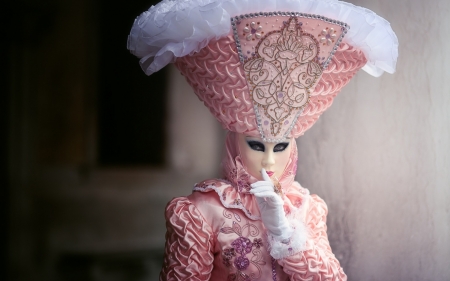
(216, 233)
(266, 68)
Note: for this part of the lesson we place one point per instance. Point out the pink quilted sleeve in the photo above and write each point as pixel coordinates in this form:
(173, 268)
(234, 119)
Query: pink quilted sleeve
(189, 243)
(318, 261)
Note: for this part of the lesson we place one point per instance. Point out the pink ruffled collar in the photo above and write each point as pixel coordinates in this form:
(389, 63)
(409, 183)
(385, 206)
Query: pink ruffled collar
(232, 198)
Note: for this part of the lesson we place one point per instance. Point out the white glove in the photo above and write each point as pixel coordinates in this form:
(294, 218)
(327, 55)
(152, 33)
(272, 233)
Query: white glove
(271, 207)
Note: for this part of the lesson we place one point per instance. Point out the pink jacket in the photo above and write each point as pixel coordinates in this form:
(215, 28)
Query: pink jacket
(207, 241)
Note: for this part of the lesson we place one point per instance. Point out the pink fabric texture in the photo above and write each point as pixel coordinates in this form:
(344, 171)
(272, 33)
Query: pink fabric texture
(216, 233)
(201, 233)
(218, 79)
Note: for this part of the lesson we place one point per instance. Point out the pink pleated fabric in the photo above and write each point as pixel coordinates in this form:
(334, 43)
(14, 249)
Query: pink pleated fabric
(218, 79)
(317, 262)
(189, 241)
(216, 232)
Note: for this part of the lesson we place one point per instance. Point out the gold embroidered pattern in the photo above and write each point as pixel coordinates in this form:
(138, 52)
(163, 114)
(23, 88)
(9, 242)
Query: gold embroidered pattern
(283, 70)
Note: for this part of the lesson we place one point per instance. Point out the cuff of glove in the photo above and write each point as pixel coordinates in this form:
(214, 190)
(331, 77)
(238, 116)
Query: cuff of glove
(290, 242)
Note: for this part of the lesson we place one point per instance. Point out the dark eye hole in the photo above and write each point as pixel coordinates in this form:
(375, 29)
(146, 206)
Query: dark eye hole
(280, 147)
(256, 145)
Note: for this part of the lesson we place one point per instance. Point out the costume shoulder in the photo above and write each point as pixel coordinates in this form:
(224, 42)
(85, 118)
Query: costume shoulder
(189, 243)
(183, 215)
(221, 192)
(318, 209)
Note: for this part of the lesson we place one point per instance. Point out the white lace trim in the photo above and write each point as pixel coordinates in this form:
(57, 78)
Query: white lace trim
(280, 248)
(176, 28)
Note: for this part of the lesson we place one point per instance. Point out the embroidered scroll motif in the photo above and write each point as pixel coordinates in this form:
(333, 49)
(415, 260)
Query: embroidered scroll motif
(283, 71)
(283, 55)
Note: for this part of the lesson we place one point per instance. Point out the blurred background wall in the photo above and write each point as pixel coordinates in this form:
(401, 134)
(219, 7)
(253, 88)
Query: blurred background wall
(94, 149)
(380, 157)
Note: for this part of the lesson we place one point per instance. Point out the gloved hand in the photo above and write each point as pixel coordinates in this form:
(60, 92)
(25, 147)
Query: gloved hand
(271, 207)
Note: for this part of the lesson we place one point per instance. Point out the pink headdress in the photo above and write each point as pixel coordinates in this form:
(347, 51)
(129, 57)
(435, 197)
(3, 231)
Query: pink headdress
(260, 71)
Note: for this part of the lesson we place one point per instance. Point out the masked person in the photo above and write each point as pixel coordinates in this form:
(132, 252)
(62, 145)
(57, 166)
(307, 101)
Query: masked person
(267, 70)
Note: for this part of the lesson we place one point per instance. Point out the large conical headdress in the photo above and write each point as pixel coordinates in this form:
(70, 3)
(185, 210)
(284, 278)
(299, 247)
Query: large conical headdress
(264, 73)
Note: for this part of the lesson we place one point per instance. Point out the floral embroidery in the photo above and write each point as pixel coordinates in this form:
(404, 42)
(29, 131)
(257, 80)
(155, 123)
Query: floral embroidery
(205, 184)
(241, 247)
(239, 178)
(243, 185)
(327, 36)
(229, 253)
(226, 262)
(257, 242)
(241, 263)
(254, 29)
(281, 74)
(232, 174)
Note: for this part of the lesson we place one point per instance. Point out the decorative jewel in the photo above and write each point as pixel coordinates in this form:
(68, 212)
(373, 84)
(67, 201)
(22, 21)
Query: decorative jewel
(257, 242)
(328, 36)
(254, 29)
(274, 272)
(277, 187)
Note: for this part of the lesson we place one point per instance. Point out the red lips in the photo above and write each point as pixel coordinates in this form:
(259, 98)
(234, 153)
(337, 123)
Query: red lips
(269, 173)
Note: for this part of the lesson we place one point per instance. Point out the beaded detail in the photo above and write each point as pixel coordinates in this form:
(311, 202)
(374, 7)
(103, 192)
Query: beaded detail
(274, 272)
(283, 62)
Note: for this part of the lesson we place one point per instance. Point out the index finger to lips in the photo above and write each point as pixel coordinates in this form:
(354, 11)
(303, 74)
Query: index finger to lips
(261, 188)
(260, 183)
(265, 176)
(265, 194)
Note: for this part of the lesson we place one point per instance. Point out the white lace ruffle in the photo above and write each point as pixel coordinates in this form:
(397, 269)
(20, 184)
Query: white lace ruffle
(280, 248)
(176, 28)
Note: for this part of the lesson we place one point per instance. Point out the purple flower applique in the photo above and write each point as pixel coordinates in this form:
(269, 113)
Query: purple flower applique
(241, 263)
(242, 245)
